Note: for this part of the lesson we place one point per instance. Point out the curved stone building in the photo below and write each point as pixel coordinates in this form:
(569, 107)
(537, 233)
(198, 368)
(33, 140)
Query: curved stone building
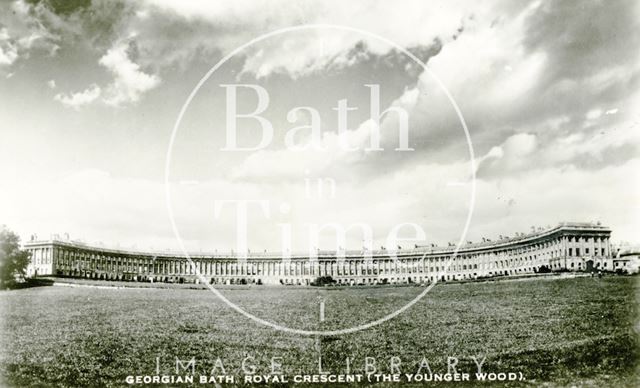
(566, 247)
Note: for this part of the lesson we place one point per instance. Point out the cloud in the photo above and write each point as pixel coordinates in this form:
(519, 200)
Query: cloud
(51, 84)
(128, 85)
(512, 155)
(549, 92)
(326, 152)
(25, 32)
(169, 31)
(8, 50)
(526, 152)
(130, 82)
(8, 54)
(510, 75)
(583, 41)
(77, 100)
(549, 195)
(90, 204)
(594, 114)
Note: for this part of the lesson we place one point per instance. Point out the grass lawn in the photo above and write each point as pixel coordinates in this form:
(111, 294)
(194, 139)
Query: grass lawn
(581, 331)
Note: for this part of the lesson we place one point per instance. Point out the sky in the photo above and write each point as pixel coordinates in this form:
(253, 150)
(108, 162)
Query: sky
(90, 93)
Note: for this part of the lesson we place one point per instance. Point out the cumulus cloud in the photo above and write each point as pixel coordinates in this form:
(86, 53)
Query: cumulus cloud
(308, 148)
(548, 90)
(522, 153)
(298, 53)
(26, 32)
(8, 50)
(594, 114)
(510, 75)
(316, 153)
(79, 99)
(130, 82)
(512, 155)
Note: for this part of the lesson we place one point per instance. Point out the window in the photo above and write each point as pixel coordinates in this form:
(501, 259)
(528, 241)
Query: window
(577, 251)
(586, 251)
(570, 251)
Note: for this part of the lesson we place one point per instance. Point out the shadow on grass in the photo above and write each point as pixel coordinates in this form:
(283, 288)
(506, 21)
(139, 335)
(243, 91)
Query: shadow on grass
(30, 283)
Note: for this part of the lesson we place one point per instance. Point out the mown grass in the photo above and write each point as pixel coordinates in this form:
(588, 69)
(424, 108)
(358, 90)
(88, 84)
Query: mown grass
(580, 331)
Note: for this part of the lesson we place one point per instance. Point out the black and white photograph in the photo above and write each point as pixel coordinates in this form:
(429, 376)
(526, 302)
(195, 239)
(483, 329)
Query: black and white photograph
(319, 193)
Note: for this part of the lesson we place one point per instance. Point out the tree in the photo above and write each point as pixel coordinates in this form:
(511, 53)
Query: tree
(323, 281)
(13, 260)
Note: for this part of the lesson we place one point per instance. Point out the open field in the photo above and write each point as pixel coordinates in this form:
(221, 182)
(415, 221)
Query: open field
(565, 331)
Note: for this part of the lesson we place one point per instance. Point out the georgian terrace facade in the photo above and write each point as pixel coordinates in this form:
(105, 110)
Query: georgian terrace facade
(566, 247)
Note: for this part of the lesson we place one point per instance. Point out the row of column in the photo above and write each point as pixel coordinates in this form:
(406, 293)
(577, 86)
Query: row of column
(480, 263)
